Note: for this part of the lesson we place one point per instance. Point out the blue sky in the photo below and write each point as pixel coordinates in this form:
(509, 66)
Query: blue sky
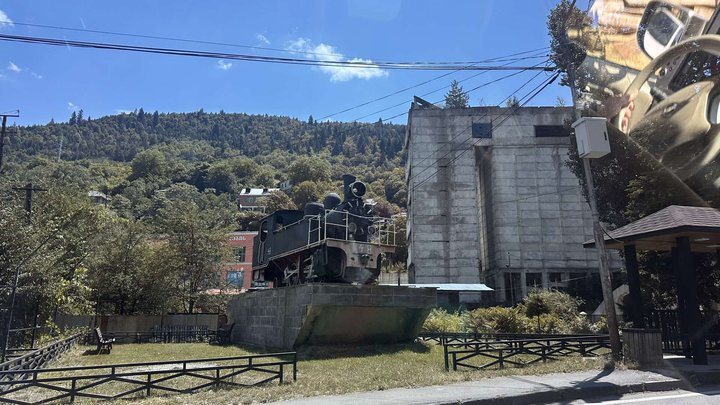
(47, 82)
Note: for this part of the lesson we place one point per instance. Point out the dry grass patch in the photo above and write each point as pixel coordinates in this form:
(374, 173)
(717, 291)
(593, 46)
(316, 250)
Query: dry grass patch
(321, 370)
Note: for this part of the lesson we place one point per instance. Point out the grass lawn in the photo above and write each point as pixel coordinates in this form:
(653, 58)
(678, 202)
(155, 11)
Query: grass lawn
(321, 370)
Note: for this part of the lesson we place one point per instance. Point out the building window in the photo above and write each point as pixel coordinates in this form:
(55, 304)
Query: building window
(546, 131)
(235, 279)
(240, 254)
(555, 277)
(533, 280)
(481, 130)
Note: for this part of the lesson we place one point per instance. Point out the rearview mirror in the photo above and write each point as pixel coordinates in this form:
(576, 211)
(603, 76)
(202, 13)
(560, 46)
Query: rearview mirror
(664, 25)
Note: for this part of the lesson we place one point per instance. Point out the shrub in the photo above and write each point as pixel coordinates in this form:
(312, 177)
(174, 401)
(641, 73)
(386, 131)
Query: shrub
(440, 320)
(498, 320)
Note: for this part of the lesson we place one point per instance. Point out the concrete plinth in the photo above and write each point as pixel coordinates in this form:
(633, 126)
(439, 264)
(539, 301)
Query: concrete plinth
(288, 317)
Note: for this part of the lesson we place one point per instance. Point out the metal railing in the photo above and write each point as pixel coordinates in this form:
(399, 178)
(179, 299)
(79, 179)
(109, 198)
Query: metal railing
(443, 338)
(520, 352)
(132, 380)
(165, 334)
(20, 367)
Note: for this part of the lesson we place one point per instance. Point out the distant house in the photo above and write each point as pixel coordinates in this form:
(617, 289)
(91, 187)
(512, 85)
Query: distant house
(286, 186)
(98, 197)
(248, 198)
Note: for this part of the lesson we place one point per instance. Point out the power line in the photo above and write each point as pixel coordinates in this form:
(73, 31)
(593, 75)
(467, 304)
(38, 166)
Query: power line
(541, 87)
(466, 130)
(256, 58)
(444, 87)
(498, 59)
(187, 40)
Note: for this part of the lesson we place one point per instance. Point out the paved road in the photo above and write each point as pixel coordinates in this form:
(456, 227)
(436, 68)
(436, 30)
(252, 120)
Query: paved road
(704, 396)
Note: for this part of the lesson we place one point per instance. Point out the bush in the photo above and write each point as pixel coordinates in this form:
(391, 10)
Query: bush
(440, 320)
(497, 320)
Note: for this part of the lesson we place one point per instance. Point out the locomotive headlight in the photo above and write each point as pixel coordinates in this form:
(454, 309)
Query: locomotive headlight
(372, 231)
(352, 227)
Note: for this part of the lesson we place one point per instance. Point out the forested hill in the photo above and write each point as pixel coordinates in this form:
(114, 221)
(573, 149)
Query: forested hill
(121, 137)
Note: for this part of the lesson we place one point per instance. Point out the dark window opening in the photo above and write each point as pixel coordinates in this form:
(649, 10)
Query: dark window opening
(481, 130)
(546, 131)
(240, 254)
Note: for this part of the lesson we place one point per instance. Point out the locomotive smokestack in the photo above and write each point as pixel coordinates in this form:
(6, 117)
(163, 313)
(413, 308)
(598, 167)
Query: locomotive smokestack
(348, 180)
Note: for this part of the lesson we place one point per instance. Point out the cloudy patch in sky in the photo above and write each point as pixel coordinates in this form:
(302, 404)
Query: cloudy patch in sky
(5, 21)
(14, 68)
(263, 39)
(72, 107)
(221, 64)
(329, 53)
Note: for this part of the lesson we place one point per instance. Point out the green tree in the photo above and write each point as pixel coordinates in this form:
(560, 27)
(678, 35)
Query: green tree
(195, 226)
(276, 200)
(146, 163)
(309, 168)
(456, 97)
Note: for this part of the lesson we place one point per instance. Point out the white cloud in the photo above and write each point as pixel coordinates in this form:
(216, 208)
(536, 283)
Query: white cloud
(263, 39)
(72, 107)
(35, 75)
(327, 52)
(14, 68)
(221, 64)
(5, 21)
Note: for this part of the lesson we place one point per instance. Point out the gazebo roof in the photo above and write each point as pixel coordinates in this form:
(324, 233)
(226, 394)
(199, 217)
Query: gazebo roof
(659, 230)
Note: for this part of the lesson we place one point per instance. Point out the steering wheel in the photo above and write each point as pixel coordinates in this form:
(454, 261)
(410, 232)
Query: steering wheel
(706, 43)
(677, 130)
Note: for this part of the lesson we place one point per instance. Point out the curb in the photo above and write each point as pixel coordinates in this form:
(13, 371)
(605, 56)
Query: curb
(569, 394)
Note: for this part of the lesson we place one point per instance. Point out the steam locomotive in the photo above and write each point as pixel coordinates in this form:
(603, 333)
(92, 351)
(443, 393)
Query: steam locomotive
(333, 241)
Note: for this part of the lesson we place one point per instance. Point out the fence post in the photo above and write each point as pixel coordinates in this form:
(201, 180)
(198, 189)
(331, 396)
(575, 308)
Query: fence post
(149, 380)
(281, 373)
(454, 355)
(73, 390)
(217, 377)
(445, 350)
(501, 360)
(295, 366)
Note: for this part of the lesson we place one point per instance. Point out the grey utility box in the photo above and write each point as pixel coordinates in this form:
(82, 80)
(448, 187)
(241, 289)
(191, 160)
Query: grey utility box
(592, 137)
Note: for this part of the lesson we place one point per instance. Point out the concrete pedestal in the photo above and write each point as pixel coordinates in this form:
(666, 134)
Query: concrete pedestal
(288, 317)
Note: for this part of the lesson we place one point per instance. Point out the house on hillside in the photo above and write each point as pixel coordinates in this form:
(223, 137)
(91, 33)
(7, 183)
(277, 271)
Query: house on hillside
(248, 198)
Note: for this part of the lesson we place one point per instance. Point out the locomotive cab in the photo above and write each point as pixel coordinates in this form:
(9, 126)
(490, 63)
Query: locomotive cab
(333, 241)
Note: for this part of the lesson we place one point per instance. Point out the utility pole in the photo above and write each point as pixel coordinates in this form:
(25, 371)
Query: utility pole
(605, 278)
(4, 132)
(29, 190)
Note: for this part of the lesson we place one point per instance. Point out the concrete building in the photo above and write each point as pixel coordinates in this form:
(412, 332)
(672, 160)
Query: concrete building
(237, 272)
(491, 200)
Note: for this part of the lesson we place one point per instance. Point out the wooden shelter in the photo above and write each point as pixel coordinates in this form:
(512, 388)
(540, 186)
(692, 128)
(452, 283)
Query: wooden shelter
(681, 230)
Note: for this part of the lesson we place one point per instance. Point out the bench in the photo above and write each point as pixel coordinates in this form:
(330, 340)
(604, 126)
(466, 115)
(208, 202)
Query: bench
(103, 343)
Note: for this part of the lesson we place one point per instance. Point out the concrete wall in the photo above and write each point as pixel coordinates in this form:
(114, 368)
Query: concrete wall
(287, 317)
(479, 208)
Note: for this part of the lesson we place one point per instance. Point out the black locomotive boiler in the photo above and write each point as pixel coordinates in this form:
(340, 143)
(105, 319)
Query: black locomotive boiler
(333, 241)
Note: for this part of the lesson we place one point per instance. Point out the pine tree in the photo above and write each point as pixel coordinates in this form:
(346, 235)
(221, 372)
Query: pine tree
(73, 118)
(311, 120)
(512, 102)
(456, 97)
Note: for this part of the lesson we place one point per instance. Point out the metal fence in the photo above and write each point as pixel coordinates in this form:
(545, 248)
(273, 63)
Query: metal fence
(115, 381)
(20, 367)
(520, 352)
(443, 338)
(673, 338)
(164, 334)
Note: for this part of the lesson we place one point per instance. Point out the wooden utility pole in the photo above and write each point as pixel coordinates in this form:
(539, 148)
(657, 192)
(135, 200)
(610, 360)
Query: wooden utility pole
(4, 132)
(603, 261)
(29, 190)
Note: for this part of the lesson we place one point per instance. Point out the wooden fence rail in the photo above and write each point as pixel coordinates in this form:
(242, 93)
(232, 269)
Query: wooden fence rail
(520, 352)
(116, 381)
